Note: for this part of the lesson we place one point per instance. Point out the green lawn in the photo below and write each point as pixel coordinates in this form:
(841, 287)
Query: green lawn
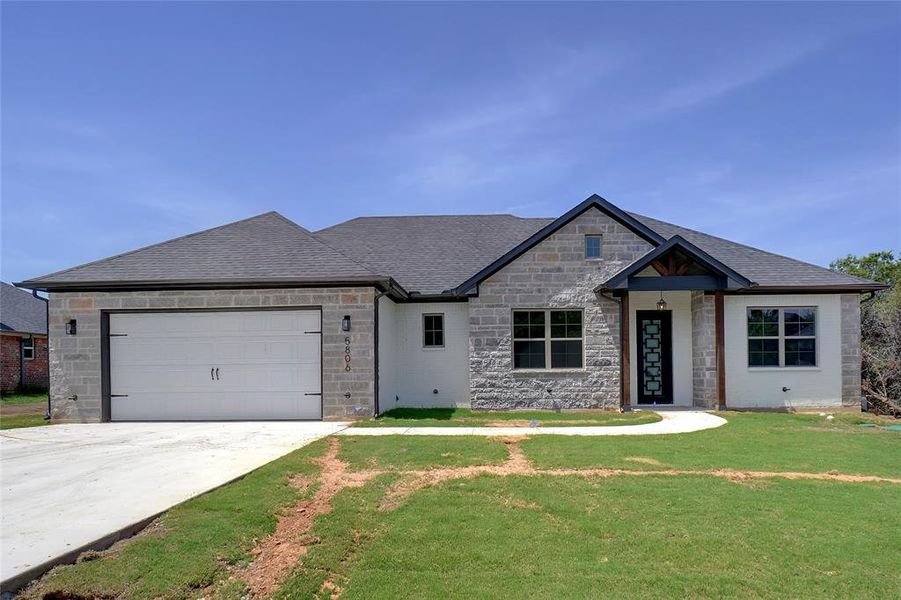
(16, 399)
(560, 536)
(749, 441)
(18, 421)
(27, 410)
(464, 417)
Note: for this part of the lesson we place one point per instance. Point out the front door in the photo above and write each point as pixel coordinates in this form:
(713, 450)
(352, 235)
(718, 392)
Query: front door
(655, 356)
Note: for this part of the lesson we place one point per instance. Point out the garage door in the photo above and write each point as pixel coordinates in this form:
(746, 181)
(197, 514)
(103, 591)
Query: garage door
(200, 366)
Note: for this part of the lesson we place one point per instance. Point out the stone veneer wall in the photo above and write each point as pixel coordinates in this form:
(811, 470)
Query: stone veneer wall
(553, 274)
(75, 360)
(703, 350)
(851, 358)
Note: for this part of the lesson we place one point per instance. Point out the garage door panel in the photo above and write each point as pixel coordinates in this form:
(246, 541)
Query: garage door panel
(268, 365)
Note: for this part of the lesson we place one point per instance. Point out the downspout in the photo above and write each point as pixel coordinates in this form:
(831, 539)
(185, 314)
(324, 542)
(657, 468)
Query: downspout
(47, 310)
(868, 298)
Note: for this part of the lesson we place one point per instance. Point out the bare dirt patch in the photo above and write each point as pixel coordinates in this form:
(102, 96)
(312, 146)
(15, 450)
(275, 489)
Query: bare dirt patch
(277, 555)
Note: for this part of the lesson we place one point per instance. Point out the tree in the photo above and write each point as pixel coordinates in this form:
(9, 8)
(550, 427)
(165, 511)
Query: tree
(880, 328)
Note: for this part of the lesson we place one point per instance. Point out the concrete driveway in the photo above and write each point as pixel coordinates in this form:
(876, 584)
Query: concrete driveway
(67, 487)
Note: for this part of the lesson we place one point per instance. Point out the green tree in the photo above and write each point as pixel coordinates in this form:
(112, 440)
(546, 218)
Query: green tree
(880, 327)
(879, 266)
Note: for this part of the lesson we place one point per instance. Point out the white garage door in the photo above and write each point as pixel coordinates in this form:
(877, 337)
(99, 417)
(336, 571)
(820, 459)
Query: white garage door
(199, 366)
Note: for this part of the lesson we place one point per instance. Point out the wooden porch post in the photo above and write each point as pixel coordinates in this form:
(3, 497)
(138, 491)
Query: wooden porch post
(720, 350)
(625, 399)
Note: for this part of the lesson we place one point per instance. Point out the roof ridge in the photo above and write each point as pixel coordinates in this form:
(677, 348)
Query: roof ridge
(156, 244)
(756, 249)
(326, 244)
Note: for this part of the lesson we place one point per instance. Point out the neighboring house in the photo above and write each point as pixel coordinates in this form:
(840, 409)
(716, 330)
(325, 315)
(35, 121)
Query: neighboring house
(23, 340)
(263, 319)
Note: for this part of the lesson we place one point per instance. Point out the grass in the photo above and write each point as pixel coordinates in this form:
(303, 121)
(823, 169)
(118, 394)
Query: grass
(658, 537)
(22, 410)
(464, 417)
(549, 536)
(19, 421)
(749, 441)
(17, 399)
(413, 452)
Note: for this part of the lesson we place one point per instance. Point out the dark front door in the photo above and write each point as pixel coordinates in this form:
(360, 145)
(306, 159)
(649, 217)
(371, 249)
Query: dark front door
(655, 356)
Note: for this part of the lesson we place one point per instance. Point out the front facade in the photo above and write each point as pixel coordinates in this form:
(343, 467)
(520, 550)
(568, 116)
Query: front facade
(595, 309)
(24, 350)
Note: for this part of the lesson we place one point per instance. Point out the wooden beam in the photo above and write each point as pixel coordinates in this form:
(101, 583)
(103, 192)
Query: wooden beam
(720, 350)
(659, 267)
(625, 399)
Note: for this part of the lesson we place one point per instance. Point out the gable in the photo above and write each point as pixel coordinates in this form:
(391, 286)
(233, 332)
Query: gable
(593, 202)
(560, 257)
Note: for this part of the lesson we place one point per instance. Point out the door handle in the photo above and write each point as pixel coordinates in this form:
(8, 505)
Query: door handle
(217, 373)
(211, 374)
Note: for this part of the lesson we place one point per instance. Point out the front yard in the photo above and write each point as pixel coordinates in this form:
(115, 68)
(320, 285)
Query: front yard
(463, 417)
(22, 410)
(769, 505)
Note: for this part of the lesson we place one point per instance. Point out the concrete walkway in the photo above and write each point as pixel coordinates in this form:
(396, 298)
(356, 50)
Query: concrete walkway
(66, 488)
(681, 421)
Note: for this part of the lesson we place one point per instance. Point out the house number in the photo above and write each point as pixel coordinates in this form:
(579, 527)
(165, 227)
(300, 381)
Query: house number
(347, 354)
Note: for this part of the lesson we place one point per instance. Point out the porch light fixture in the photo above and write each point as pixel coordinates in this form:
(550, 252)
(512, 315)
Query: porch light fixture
(661, 304)
(345, 323)
(71, 327)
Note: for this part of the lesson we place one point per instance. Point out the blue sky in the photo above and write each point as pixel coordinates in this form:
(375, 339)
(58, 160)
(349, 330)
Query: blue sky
(124, 124)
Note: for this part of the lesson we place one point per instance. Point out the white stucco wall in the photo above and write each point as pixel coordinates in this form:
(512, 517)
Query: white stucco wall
(387, 353)
(818, 386)
(680, 305)
(416, 371)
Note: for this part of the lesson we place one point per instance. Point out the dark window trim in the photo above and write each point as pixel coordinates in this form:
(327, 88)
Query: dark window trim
(547, 339)
(443, 330)
(782, 337)
(600, 238)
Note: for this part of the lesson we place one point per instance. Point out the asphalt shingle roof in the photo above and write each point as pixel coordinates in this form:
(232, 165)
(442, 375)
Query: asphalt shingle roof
(20, 311)
(430, 254)
(265, 247)
(760, 266)
(424, 254)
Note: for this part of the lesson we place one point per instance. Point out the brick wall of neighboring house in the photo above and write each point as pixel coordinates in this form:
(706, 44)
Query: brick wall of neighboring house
(35, 369)
(75, 359)
(553, 274)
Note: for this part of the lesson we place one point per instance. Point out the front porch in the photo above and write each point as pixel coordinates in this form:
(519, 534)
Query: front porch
(673, 335)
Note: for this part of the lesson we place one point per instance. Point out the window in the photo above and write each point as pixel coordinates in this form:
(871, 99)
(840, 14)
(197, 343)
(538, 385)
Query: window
(782, 337)
(592, 246)
(539, 335)
(28, 348)
(433, 331)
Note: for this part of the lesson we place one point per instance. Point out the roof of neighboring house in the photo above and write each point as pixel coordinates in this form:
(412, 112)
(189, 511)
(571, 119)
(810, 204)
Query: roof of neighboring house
(21, 311)
(426, 255)
(267, 248)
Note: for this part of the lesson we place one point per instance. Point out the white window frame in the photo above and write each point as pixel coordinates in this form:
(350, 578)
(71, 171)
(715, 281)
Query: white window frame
(30, 347)
(782, 337)
(547, 339)
(440, 346)
(600, 238)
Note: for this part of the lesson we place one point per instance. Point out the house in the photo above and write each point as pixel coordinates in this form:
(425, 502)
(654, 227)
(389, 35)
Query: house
(598, 308)
(23, 340)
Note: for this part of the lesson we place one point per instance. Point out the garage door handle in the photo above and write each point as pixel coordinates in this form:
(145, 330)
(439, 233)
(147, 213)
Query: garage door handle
(217, 373)
(313, 394)
(211, 374)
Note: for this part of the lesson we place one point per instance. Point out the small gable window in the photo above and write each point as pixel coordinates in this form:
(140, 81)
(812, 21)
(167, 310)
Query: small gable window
(592, 246)
(433, 331)
(28, 348)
